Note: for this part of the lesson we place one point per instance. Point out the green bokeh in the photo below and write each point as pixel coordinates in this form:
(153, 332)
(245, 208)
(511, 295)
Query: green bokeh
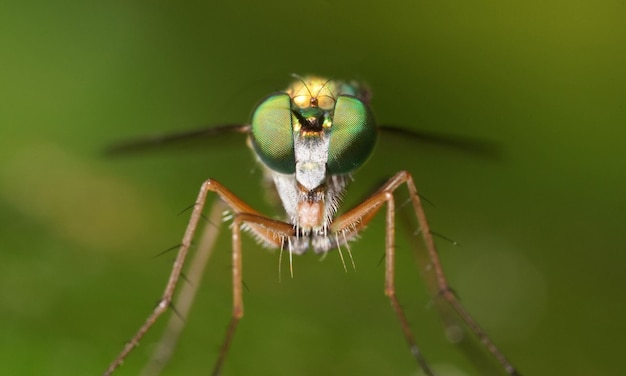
(542, 256)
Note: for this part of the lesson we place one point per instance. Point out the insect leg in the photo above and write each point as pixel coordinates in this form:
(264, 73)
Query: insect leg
(186, 296)
(444, 290)
(238, 206)
(172, 282)
(355, 220)
(272, 229)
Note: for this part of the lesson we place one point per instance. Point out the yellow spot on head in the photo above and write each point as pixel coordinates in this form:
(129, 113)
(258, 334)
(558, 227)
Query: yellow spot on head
(313, 92)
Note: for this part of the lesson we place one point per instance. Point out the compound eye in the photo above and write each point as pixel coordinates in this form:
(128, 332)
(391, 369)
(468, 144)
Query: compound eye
(353, 135)
(272, 133)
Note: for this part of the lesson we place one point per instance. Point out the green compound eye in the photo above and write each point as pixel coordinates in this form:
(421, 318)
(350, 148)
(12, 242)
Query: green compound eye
(353, 135)
(272, 133)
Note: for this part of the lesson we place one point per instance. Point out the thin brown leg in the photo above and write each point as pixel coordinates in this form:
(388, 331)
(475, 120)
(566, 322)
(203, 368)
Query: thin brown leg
(390, 285)
(356, 219)
(170, 287)
(184, 299)
(265, 229)
(279, 230)
(237, 313)
(444, 288)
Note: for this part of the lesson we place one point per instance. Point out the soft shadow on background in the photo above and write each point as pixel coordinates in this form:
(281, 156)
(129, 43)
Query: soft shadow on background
(542, 247)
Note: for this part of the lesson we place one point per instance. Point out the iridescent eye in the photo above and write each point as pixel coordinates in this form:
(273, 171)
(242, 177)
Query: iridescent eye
(352, 137)
(272, 133)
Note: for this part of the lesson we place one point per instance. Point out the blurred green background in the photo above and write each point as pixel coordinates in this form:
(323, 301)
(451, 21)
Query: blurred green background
(541, 261)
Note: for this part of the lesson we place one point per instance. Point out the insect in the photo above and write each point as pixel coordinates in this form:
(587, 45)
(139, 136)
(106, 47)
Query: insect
(308, 139)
